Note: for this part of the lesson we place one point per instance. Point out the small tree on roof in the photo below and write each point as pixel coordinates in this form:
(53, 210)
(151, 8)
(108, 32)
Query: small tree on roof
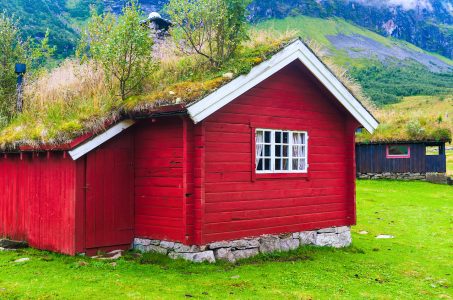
(121, 46)
(213, 29)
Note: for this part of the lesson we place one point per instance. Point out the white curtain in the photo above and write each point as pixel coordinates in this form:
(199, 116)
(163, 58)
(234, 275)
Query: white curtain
(259, 139)
(298, 150)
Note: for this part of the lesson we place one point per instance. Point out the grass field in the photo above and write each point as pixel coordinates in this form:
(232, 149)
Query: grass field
(449, 162)
(416, 264)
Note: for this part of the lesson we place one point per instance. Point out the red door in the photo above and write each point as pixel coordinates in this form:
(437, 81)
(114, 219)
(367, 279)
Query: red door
(109, 194)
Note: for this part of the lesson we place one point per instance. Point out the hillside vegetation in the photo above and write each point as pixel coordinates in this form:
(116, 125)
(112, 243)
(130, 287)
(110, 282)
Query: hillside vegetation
(61, 17)
(388, 69)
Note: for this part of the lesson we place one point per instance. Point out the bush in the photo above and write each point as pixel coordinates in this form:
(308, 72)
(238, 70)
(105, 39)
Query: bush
(121, 46)
(415, 129)
(13, 49)
(213, 29)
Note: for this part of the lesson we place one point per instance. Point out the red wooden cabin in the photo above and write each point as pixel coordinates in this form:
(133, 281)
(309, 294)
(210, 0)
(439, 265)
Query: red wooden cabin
(270, 152)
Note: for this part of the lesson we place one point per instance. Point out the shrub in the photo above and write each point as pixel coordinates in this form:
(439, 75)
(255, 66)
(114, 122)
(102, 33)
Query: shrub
(13, 49)
(121, 46)
(213, 29)
(415, 129)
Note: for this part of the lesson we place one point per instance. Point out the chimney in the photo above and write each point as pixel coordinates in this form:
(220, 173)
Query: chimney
(20, 70)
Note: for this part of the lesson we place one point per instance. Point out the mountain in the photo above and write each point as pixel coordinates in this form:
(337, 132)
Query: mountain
(387, 67)
(427, 24)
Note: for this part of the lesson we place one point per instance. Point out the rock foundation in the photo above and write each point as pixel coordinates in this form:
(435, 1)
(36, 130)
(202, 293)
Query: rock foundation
(430, 177)
(232, 251)
(398, 176)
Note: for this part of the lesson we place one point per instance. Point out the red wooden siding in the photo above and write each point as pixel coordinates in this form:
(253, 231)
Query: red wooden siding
(37, 200)
(169, 179)
(159, 186)
(234, 205)
(110, 194)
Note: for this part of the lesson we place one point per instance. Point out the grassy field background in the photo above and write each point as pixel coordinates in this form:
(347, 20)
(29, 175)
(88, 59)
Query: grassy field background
(416, 264)
(449, 154)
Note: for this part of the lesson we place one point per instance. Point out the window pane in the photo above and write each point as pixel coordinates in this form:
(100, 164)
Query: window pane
(267, 150)
(278, 137)
(278, 164)
(285, 137)
(432, 150)
(278, 151)
(298, 138)
(398, 150)
(267, 136)
(285, 165)
(285, 151)
(302, 164)
(259, 166)
(267, 164)
(295, 164)
(298, 151)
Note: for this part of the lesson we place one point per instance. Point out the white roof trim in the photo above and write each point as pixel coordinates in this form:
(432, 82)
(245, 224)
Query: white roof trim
(295, 51)
(83, 149)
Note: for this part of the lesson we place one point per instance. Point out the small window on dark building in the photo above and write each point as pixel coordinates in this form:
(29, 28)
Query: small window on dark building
(398, 151)
(432, 150)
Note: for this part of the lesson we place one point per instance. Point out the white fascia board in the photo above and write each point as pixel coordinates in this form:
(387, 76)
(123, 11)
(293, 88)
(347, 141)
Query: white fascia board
(83, 149)
(297, 50)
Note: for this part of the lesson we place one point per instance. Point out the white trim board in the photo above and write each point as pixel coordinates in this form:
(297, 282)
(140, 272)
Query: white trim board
(295, 51)
(83, 149)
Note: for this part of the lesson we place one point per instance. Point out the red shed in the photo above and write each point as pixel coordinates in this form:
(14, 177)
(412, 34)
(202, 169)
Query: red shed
(264, 163)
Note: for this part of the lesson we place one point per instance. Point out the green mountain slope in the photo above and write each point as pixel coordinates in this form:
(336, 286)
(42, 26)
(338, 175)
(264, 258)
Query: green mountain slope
(387, 68)
(62, 17)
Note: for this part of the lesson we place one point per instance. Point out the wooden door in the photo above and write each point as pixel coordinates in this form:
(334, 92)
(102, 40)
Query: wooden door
(110, 194)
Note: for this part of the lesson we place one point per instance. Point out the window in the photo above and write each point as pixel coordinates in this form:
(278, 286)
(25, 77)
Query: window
(398, 151)
(281, 151)
(432, 150)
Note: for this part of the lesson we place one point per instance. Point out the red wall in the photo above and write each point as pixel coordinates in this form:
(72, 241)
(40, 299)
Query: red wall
(159, 186)
(109, 196)
(37, 200)
(195, 183)
(235, 206)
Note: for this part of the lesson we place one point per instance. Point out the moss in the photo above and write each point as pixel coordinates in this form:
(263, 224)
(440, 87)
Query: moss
(186, 91)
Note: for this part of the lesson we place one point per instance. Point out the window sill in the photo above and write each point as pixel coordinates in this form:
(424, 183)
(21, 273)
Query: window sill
(259, 176)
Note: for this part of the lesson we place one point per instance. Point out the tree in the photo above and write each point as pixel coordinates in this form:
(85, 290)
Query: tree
(13, 49)
(212, 28)
(121, 46)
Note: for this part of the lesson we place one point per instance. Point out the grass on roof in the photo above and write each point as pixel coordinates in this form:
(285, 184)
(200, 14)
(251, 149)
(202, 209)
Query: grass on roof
(416, 118)
(73, 99)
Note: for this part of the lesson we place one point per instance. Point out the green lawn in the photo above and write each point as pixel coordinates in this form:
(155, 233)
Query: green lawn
(416, 264)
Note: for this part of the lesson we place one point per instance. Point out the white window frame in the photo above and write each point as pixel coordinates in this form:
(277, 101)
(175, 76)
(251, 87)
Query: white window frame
(290, 151)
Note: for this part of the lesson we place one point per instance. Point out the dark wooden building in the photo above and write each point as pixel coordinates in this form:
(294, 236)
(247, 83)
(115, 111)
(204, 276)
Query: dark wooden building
(416, 157)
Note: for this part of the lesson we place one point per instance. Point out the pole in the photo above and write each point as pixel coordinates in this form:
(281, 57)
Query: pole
(20, 87)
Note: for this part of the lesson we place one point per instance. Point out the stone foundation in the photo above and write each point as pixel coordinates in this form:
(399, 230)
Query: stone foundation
(441, 178)
(398, 176)
(231, 251)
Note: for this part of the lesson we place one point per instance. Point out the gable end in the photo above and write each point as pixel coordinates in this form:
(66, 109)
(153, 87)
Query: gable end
(295, 51)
